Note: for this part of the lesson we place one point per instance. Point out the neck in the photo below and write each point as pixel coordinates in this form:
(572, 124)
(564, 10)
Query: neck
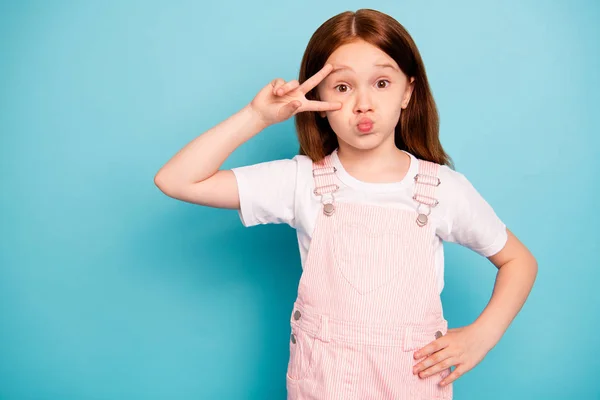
(380, 164)
(368, 158)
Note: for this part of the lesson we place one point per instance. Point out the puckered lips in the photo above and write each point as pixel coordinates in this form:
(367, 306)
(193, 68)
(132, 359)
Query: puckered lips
(365, 125)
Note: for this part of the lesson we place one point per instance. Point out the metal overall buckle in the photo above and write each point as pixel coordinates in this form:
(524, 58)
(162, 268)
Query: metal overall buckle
(327, 199)
(422, 217)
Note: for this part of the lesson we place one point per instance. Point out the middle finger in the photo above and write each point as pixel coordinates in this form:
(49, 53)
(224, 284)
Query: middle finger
(433, 359)
(314, 105)
(439, 367)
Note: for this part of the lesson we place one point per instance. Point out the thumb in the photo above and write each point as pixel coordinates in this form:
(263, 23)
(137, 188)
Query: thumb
(289, 109)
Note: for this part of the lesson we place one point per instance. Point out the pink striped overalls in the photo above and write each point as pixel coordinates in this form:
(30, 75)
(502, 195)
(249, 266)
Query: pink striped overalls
(367, 299)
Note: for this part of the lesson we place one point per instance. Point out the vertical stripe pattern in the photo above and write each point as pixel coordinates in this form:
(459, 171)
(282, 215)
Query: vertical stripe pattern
(367, 300)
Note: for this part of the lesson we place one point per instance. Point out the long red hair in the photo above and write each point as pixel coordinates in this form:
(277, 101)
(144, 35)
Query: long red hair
(417, 130)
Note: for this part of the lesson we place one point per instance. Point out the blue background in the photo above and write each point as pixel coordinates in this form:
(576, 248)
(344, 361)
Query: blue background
(111, 290)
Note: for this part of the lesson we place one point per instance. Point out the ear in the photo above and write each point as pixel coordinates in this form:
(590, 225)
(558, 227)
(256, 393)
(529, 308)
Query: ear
(408, 92)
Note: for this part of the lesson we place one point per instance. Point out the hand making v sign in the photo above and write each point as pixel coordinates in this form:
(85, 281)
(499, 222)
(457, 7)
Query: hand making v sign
(279, 100)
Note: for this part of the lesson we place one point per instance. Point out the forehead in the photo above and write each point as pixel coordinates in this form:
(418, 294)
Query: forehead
(360, 56)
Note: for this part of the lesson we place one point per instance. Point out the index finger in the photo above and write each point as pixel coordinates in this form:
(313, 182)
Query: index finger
(314, 80)
(432, 347)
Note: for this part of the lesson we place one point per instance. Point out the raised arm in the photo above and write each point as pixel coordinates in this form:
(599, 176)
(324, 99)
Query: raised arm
(193, 173)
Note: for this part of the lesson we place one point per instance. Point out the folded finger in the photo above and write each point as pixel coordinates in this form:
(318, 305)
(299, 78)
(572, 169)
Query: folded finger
(289, 109)
(286, 88)
(277, 83)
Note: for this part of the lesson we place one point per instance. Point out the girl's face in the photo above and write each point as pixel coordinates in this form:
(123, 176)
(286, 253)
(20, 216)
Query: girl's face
(373, 91)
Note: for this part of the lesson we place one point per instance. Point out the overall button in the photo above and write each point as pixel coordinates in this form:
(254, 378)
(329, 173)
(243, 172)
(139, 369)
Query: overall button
(297, 315)
(293, 338)
(438, 335)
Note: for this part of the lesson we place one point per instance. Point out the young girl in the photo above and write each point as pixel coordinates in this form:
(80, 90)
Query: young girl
(372, 196)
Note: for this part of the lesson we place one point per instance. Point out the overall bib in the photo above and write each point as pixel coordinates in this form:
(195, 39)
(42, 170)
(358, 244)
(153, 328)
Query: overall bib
(367, 299)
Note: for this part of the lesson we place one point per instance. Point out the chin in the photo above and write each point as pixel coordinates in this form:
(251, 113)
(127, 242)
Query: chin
(365, 142)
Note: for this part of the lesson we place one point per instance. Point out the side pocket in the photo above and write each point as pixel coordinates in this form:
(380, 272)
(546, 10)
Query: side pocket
(301, 354)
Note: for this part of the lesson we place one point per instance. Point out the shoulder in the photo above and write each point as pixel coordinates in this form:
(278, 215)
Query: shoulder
(456, 193)
(304, 163)
(468, 218)
(268, 190)
(452, 182)
(457, 189)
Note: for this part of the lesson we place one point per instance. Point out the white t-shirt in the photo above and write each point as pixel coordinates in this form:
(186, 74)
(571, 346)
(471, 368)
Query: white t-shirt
(281, 191)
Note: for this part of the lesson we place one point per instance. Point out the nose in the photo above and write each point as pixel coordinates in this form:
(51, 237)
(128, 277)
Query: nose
(363, 102)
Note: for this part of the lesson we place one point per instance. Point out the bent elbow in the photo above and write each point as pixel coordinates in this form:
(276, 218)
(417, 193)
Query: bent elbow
(163, 184)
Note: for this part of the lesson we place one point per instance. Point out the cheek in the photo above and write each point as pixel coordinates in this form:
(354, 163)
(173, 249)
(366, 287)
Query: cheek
(335, 118)
(394, 117)
(393, 106)
(343, 112)
(339, 122)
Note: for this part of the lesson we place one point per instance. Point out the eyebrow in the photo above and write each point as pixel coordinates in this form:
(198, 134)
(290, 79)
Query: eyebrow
(346, 68)
(386, 65)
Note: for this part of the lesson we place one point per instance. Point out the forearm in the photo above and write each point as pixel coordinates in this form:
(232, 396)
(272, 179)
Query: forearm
(203, 156)
(514, 282)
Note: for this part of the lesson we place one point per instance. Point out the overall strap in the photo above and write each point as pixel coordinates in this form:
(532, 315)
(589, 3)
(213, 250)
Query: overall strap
(426, 183)
(324, 176)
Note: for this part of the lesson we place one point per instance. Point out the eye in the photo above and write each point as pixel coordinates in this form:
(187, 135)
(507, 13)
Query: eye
(341, 88)
(387, 83)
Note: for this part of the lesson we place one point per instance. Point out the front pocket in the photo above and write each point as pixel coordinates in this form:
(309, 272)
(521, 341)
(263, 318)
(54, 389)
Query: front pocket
(301, 354)
(367, 258)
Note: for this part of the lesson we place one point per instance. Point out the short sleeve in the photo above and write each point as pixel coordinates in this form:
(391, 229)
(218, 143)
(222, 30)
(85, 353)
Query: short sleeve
(267, 192)
(470, 220)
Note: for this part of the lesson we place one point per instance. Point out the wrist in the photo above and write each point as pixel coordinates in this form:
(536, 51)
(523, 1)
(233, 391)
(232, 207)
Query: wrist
(490, 331)
(256, 119)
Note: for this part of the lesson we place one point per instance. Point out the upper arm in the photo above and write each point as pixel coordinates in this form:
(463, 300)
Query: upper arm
(267, 192)
(469, 219)
(513, 249)
(220, 191)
